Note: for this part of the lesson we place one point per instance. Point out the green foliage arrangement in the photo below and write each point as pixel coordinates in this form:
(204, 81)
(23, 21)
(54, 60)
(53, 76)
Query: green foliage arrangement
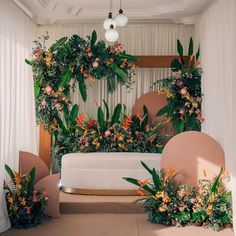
(25, 205)
(57, 69)
(183, 92)
(111, 132)
(167, 203)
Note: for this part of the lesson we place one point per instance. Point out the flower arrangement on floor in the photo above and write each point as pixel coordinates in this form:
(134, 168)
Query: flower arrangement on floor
(57, 69)
(183, 92)
(114, 132)
(25, 205)
(167, 203)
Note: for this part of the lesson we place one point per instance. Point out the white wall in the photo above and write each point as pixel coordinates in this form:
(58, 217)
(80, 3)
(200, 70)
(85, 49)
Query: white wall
(216, 31)
(144, 39)
(17, 116)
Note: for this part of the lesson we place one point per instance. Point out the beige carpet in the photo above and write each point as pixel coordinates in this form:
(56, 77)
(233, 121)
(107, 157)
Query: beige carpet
(110, 225)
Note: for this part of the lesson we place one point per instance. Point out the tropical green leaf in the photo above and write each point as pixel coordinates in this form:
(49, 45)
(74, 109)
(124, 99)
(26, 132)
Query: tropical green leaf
(162, 111)
(32, 178)
(93, 38)
(74, 112)
(107, 110)
(198, 54)
(156, 180)
(58, 44)
(83, 89)
(128, 56)
(116, 115)
(101, 119)
(66, 78)
(36, 88)
(176, 65)
(119, 71)
(180, 49)
(190, 48)
(146, 167)
(66, 115)
(61, 125)
(28, 62)
(10, 172)
(216, 183)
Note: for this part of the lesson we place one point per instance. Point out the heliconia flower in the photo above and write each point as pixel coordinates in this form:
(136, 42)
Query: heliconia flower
(140, 192)
(48, 89)
(127, 122)
(107, 133)
(81, 119)
(91, 123)
(95, 64)
(142, 183)
(86, 73)
(183, 91)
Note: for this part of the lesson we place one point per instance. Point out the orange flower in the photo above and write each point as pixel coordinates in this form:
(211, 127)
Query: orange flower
(81, 119)
(127, 122)
(91, 123)
(142, 183)
(139, 115)
(140, 192)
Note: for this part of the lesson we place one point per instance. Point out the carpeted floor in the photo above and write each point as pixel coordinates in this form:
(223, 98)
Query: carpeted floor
(109, 225)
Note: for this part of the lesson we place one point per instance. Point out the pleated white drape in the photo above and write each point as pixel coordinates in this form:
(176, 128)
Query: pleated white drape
(17, 114)
(216, 31)
(144, 39)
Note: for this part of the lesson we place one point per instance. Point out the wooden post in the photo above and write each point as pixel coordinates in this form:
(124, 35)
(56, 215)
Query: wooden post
(45, 146)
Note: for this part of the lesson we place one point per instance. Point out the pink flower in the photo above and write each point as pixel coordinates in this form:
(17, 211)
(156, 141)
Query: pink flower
(107, 133)
(90, 54)
(48, 89)
(46, 198)
(95, 64)
(58, 106)
(35, 199)
(177, 75)
(179, 83)
(199, 99)
(28, 208)
(181, 193)
(86, 74)
(183, 91)
(181, 111)
(43, 103)
(198, 111)
(86, 144)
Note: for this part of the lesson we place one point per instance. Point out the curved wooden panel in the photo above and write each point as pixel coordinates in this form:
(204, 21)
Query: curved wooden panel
(28, 160)
(192, 154)
(50, 185)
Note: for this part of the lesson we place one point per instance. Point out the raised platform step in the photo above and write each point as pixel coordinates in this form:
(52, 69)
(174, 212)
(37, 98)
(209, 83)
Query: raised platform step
(86, 204)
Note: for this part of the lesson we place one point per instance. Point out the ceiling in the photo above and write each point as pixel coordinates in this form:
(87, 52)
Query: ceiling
(75, 11)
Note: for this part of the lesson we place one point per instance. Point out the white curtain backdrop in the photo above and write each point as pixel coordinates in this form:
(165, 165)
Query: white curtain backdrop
(144, 39)
(17, 116)
(216, 31)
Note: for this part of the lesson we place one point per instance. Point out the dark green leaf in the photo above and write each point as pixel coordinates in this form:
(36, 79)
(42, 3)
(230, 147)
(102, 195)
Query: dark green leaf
(162, 111)
(190, 48)
(66, 78)
(28, 62)
(107, 110)
(128, 56)
(58, 44)
(180, 48)
(74, 112)
(176, 65)
(36, 88)
(32, 178)
(83, 89)
(216, 183)
(93, 38)
(146, 167)
(10, 172)
(119, 71)
(101, 119)
(156, 180)
(198, 54)
(116, 115)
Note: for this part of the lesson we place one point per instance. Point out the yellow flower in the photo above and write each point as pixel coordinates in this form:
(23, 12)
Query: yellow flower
(23, 202)
(209, 212)
(159, 194)
(163, 208)
(212, 198)
(121, 145)
(10, 200)
(210, 206)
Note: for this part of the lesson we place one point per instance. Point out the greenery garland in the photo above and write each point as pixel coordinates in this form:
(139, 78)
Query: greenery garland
(55, 71)
(183, 92)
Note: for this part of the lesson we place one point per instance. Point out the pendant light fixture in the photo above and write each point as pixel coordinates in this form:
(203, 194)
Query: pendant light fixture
(111, 35)
(121, 19)
(109, 21)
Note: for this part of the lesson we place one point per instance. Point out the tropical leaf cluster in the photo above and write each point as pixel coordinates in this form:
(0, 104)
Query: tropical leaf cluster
(112, 131)
(183, 91)
(75, 62)
(168, 203)
(25, 205)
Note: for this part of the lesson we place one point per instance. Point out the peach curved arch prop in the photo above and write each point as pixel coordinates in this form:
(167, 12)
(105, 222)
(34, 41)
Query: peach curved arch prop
(28, 160)
(50, 184)
(193, 154)
(154, 102)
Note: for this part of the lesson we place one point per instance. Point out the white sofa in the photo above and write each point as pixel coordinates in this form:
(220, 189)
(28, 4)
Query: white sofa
(104, 171)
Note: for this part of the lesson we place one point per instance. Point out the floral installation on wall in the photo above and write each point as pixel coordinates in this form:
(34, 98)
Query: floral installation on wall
(75, 60)
(25, 205)
(168, 203)
(183, 92)
(111, 132)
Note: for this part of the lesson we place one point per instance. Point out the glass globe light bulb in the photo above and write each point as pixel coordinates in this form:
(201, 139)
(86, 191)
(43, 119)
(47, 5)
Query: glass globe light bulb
(109, 21)
(121, 19)
(111, 35)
